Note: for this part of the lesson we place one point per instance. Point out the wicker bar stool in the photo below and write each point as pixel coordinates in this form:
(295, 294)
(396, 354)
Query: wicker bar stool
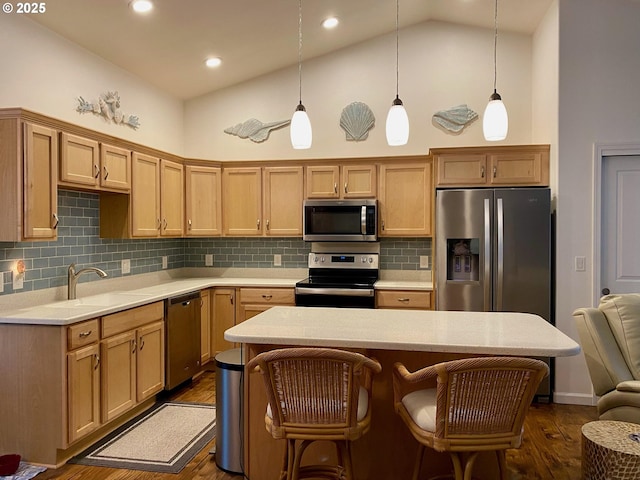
(467, 406)
(316, 394)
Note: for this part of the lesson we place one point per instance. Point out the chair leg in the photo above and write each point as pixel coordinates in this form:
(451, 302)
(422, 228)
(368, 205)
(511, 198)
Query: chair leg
(457, 465)
(298, 457)
(418, 464)
(468, 467)
(344, 447)
(502, 463)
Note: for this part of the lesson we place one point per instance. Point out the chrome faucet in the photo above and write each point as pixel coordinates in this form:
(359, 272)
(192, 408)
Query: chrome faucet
(72, 278)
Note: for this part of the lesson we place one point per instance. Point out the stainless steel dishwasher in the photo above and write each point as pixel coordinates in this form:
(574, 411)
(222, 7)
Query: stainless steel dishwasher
(182, 338)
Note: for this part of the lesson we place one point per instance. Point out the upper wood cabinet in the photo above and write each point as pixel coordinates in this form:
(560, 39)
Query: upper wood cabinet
(171, 198)
(145, 196)
(522, 165)
(85, 163)
(341, 181)
(261, 201)
(203, 198)
(405, 199)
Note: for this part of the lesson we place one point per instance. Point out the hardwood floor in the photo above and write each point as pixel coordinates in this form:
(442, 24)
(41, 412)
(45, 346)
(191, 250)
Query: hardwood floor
(551, 448)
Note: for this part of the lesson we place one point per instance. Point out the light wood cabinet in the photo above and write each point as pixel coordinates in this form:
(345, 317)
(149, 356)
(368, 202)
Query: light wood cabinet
(405, 199)
(87, 164)
(145, 196)
(256, 300)
(206, 319)
(132, 351)
(83, 379)
(261, 201)
(340, 181)
(171, 198)
(203, 197)
(224, 317)
(405, 299)
(520, 165)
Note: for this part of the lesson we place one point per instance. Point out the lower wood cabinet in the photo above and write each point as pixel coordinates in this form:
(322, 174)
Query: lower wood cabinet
(405, 299)
(83, 391)
(223, 317)
(206, 321)
(256, 300)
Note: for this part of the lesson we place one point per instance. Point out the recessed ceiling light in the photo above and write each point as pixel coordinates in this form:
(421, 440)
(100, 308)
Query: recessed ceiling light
(213, 62)
(331, 22)
(141, 6)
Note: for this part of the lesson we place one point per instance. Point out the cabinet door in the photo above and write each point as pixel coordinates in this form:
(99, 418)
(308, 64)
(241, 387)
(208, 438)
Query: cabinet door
(203, 197)
(83, 391)
(172, 198)
(224, 317)
(145, 196)
(149, 360)
(407, 299)
(359, 181)
(461, 169)
(406, 193)
(282, 201)
(242, 201)
(79, 160)
(526, 168)
(322, 181)
(118, 374)
(115, 172)
(205, 326)
(40, 182)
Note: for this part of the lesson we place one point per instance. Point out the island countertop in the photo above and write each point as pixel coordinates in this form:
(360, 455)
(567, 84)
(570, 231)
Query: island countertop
(497, 333)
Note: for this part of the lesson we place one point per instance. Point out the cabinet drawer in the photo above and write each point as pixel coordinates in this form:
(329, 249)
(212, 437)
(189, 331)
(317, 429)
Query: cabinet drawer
(403, 299)
(281, 296)
(82, 334)
(132, 318)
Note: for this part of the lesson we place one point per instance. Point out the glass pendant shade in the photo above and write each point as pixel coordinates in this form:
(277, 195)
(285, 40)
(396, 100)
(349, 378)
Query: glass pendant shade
(495, 121)
(301, 135)
(397, 124)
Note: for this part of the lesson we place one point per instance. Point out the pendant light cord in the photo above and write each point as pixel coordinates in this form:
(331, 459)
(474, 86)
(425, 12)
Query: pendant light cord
(300, 49)
(397, 49)
(495, 46)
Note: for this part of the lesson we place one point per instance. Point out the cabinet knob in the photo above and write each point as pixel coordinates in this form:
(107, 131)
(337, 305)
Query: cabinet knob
(335, 188)
(84, 334)
(189, 224)
(403, 300)
(267, 224)
(96, 170)
(345, 188)
(106, 172)
(133, 346)
(267, 297)
(258, 224)
(96, 362)
(141, 344)
(56, 222)
(495, 171)
(482, 171)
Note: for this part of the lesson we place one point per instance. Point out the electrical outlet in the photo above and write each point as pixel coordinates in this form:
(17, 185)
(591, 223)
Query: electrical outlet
(165, 262)
(208, 260)
(277, 260)
(126, 266)
(424, 261)
(18, 280)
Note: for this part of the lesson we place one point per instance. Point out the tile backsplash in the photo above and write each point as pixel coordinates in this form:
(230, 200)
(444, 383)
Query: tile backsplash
(79, 242)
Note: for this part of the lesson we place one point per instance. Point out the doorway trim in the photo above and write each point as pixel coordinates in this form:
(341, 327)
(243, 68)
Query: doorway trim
(602, 150)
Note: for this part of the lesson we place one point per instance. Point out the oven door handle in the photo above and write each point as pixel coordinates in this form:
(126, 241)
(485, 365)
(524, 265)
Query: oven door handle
(346, 292)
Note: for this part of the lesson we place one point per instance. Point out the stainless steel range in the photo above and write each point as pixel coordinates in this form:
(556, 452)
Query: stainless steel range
(339, 280)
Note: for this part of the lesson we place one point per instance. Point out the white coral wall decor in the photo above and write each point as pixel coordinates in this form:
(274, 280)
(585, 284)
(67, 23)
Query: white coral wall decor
(108, 107)
(455, 119)
(255, 130)
(356, 120)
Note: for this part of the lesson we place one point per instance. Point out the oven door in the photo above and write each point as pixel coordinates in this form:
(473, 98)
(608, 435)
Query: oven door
(335, 297)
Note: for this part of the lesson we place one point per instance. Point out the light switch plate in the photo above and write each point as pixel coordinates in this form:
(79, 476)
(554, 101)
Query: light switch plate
(208, 260)
(277, 260)
(165, 262)
(126, 266)
(580, 264)
(1, 282)
(424, 261)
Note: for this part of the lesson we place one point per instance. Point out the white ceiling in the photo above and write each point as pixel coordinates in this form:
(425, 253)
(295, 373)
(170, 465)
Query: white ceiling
(167, 47)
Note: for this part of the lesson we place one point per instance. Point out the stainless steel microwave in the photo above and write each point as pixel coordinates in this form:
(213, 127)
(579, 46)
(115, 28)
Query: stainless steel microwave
(340, 220)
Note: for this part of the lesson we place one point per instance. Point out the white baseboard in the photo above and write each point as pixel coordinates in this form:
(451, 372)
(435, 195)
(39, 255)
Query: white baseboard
(574, 398)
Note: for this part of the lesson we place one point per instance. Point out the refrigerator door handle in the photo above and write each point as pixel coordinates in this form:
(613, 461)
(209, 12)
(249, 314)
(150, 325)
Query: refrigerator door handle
(500, 265)
(487, 255)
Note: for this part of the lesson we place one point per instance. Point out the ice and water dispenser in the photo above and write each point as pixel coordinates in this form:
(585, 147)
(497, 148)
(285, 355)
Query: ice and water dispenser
(463, 259)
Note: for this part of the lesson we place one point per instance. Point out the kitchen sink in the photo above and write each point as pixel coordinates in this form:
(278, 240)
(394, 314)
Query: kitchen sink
(101, 300)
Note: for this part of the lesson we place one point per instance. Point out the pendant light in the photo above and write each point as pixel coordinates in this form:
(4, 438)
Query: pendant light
(301, 134)
(397, 119)
(495, 122)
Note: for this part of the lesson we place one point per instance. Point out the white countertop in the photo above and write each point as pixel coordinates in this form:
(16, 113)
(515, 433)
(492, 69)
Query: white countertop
(505, 333)
(66, 312)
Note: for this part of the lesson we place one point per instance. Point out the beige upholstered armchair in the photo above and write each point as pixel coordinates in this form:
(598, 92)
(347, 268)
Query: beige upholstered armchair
(610, 340)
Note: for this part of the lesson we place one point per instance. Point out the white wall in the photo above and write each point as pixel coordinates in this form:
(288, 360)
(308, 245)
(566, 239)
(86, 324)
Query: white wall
(441, 65)
(45, 73)
(598, 103)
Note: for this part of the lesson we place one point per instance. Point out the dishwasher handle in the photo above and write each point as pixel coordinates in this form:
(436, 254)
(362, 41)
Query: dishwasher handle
(185, 299)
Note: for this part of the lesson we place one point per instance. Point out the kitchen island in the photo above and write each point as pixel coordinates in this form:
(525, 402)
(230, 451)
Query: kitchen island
(415, 338)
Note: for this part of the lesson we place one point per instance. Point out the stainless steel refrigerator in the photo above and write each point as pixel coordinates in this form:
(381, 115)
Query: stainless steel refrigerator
(493, 252)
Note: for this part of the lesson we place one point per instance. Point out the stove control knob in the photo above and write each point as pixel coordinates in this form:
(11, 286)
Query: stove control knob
(315, 259)
(363, 259)
(370, 259)
(322, 259)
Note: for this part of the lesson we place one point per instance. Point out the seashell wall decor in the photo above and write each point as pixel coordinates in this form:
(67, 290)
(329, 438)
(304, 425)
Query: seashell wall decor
(108, 107)
(455, 119)
(254, 129)
(356, 120)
